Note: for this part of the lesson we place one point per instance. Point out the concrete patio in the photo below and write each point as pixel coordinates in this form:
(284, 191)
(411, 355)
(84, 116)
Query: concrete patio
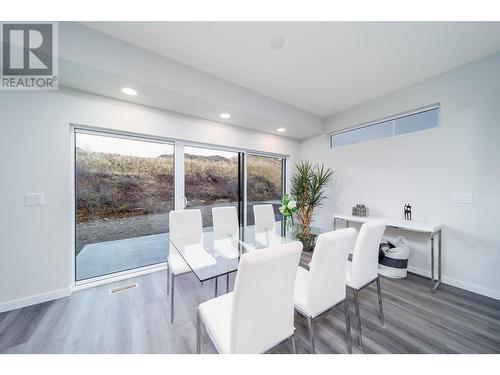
(114, 256)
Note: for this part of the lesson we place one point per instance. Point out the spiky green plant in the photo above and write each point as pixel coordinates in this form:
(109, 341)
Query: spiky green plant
(308, 184)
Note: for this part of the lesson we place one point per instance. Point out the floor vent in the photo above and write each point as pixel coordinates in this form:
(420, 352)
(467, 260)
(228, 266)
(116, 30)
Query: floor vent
(123, 288)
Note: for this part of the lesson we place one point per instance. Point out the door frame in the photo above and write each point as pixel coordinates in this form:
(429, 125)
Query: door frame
(119, 275)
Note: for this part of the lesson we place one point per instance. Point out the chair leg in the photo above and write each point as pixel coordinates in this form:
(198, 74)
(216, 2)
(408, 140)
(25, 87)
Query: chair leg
(380, 307)
(356, 305)
(172, 298)
(168, 279)
(348, 326)
(294, 344)
(198, 332)
(216, 286)
(310, 321)
(227, 283)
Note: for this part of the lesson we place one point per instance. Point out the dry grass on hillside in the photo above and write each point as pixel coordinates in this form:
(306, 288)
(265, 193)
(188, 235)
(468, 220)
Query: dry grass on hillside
(114, 186)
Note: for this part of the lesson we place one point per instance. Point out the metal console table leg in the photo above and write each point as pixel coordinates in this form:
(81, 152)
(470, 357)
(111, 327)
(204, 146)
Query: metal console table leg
(435, 282)
(435, 267)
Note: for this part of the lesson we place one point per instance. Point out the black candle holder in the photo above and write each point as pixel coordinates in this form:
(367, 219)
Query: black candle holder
(407, 211)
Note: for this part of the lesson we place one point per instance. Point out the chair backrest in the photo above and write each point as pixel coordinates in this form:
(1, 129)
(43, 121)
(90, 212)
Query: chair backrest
(263, 301)
(184, 222)
(365, 254)
(225, 219)
(327, 282)
(263, 215)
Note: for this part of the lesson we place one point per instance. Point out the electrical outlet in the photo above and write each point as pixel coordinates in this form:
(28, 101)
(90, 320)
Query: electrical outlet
(462, 198)
(35, 199)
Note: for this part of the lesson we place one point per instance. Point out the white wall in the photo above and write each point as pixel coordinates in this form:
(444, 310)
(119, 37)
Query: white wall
(35, 156)
(463, 155)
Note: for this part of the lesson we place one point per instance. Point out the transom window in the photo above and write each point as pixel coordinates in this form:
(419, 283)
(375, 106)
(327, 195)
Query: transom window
(412, 122)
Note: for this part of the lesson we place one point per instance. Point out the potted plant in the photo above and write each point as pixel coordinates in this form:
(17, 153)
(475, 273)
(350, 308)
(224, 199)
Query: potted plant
(308, 184)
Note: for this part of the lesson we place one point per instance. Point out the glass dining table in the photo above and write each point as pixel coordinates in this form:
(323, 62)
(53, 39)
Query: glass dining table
(212, 254)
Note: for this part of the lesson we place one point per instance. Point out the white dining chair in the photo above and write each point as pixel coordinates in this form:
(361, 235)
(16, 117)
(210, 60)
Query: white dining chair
(225, 219)
(258, 315)
(182, 223)
(323, 287)
(225, 225)
(363, 269)
(264, 216)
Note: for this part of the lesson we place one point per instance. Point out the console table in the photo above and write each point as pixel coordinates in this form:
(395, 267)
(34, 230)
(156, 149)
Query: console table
(416, 226)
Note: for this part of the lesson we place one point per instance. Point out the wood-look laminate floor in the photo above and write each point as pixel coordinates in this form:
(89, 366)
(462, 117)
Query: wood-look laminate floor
(137, 321)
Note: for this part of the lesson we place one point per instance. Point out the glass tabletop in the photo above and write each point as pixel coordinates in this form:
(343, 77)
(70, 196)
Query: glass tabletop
(216, 253)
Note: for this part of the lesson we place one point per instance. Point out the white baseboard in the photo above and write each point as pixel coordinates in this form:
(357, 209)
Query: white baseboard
(472, 287)
(33, 300)
(459, 284)
(420, 272)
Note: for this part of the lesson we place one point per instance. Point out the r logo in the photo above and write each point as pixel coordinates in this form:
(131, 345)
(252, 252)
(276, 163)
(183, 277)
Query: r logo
(27, 49)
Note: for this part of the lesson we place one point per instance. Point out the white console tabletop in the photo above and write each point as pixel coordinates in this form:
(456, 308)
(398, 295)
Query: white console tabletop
(415, 226)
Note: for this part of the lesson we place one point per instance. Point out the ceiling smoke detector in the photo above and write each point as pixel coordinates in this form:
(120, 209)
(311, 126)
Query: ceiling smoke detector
(277, 41)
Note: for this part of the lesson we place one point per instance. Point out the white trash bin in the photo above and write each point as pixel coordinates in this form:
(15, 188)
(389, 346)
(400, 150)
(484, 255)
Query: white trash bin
(394, 261)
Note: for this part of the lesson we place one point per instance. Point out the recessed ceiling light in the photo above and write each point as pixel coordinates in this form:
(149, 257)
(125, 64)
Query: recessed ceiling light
(129, 91)
(225, 115)
(281, 130)
(277, 41)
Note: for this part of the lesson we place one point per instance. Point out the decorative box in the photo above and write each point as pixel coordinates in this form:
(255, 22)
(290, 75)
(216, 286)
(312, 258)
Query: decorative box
(360, 210)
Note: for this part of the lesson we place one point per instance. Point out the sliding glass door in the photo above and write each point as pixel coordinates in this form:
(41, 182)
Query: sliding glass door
(212, 178)
(265, 183)
(216, 178)
(124, 191)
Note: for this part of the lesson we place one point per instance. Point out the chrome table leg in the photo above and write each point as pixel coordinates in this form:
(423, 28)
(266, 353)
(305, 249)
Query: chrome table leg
(168, 279)
(172, 298)
(439, 256)
(432, 262)
(435, 281)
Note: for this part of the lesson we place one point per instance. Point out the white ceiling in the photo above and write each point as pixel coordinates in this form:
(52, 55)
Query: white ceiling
(98, 63)
(324, 67)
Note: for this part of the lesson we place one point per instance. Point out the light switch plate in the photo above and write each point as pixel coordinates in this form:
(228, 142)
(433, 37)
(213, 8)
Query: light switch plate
(35, 199)
(463, 198)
